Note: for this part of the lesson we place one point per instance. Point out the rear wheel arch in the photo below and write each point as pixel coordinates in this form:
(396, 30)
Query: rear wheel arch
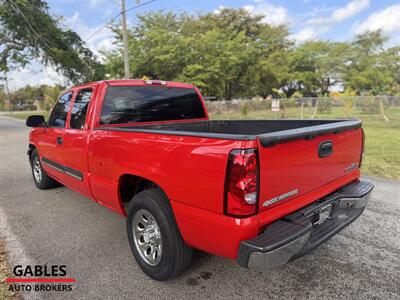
(130, 185)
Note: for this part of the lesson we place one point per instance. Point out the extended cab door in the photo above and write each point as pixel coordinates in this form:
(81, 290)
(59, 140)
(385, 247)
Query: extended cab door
(50, 144)
(75, 142)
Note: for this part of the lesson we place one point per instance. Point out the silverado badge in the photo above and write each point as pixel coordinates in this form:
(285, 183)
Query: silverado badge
(351, 167)
(281, 197)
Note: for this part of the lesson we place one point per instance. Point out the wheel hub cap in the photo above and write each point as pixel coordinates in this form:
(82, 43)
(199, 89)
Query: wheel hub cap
(37, 169)
(147, 237)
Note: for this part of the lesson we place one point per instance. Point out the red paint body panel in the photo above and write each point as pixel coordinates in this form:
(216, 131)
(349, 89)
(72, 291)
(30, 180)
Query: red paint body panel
(191, 170)
(287, 207)
(213, 232)
(296, 165)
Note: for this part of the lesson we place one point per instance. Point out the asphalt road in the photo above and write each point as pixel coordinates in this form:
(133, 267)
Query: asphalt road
(61, 227)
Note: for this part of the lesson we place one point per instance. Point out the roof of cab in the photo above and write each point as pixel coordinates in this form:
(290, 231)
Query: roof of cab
(129, 82)
(141, 82)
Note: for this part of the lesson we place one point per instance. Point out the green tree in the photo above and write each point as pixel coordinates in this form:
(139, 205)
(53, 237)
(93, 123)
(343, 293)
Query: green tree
(50, 95)
(316, 66)
(22, 97)
(233, 54)
(219, 53)
(369, 68)
(390, 62)
(28, 31)
(255, 61)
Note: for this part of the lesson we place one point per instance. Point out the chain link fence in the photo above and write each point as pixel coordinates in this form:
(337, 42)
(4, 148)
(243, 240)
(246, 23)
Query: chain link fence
(303, 108)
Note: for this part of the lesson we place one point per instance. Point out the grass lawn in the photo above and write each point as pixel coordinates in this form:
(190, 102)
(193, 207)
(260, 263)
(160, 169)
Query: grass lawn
(382, 146)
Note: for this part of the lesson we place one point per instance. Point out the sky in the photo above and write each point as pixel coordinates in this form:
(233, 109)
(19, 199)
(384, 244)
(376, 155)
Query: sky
(338, 20)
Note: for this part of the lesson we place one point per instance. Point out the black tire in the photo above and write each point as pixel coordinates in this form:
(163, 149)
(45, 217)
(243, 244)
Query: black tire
(45, 182)
(176, 255)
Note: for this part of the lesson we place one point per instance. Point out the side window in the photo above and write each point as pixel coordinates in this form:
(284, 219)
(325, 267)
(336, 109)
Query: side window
(79, 108)
(60, 111)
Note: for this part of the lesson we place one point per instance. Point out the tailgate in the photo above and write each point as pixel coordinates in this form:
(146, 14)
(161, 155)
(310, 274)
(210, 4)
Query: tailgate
(293, 167)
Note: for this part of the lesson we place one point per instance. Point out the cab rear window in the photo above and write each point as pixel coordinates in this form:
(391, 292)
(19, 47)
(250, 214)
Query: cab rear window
(130, 104)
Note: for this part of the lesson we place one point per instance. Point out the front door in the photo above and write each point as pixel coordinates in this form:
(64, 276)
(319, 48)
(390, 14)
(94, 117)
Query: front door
(50, 145)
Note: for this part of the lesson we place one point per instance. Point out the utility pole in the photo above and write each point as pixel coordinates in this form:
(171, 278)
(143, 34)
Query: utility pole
(125, 39)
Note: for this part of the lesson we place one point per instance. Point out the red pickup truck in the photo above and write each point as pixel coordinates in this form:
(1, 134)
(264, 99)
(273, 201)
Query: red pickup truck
(263, 192)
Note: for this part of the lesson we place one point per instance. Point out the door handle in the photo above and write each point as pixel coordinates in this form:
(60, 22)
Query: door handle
(325, 149)
(59, 140)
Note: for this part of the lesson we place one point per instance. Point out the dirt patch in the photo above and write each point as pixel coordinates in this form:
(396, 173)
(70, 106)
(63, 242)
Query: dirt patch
(5, 272)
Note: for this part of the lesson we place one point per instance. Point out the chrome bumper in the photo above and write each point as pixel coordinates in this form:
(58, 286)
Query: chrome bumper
(302, 231)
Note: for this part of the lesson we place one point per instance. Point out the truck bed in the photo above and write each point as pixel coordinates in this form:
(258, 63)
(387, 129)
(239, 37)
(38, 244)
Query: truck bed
(270, 132)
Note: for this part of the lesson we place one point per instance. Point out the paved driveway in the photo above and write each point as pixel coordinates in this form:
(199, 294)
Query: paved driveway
(61, 227)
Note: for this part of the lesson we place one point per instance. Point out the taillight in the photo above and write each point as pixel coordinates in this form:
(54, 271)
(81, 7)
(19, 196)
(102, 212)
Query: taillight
(241, 187)
(362, 147)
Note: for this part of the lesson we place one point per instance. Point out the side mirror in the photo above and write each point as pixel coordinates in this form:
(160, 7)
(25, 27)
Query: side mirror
(35, 121)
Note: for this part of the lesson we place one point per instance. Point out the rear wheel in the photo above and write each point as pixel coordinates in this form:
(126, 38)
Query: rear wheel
(154, 236)
(40, 177)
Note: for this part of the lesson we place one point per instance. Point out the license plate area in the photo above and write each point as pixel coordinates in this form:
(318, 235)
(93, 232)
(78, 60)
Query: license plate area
(322, 215)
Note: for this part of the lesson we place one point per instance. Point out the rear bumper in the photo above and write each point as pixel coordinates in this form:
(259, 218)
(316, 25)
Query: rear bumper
(302, 231)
